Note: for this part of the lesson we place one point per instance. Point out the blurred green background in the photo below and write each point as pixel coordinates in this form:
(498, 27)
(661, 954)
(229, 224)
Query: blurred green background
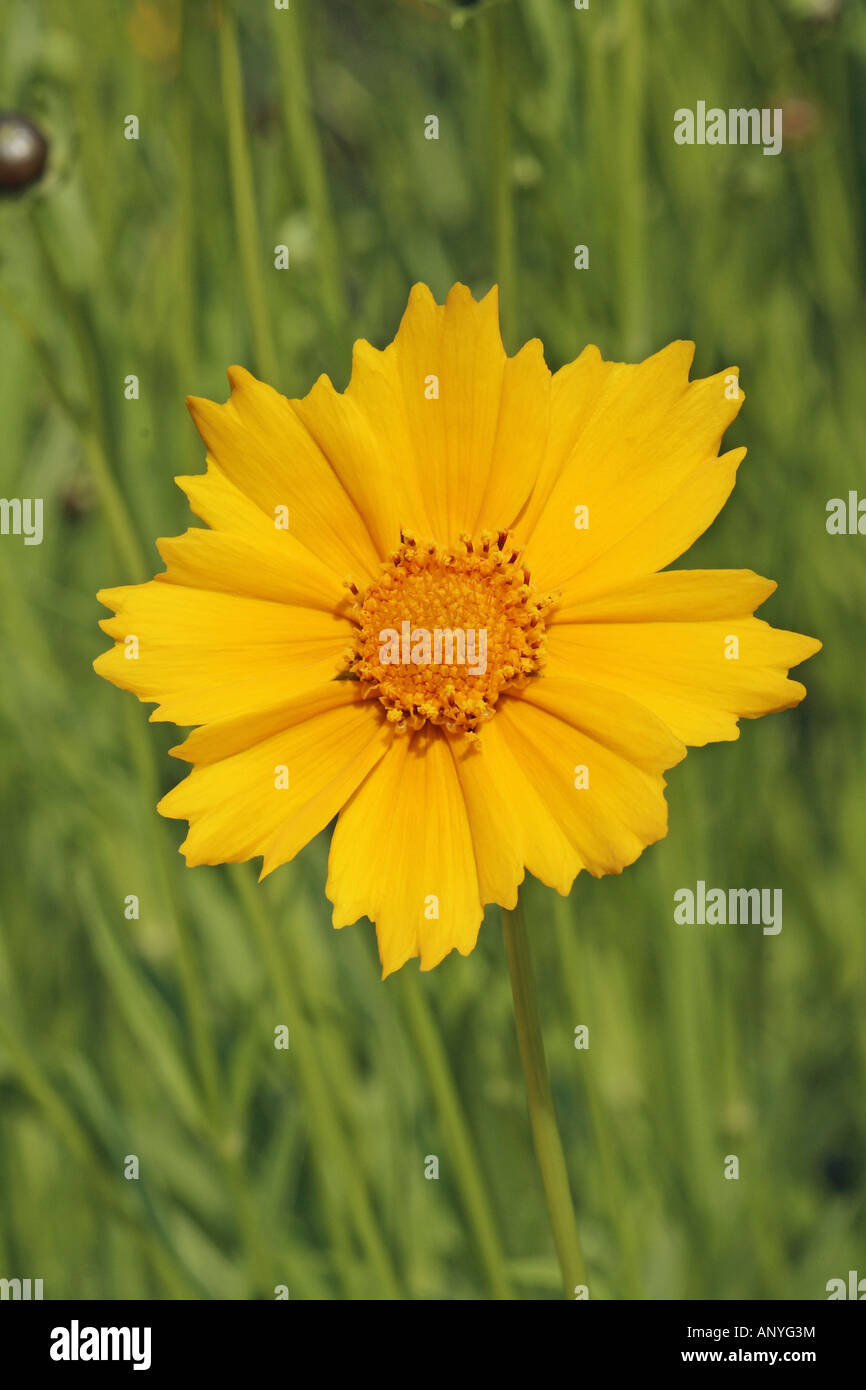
(155, 1036)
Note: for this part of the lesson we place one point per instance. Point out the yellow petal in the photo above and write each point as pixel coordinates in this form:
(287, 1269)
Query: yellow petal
(402, 855)
(620, 811)
(203, 655)
(459, 345)
(698, 677)
(575, 393)
(260, 444)
(618, 722)
(272, 565)
(214, 498)
(674, 596)
(271, 798)
(457, 428)
(521, 437)
(223, 737)
(365, 434)
(494, 818)
(510, 821)
(637, 447)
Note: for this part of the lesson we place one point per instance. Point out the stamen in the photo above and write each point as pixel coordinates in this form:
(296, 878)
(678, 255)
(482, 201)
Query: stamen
(445, 631)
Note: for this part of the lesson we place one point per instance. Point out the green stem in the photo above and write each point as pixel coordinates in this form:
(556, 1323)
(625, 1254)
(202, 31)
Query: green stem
(576, 968)
(194, 996)
(631, 221)
(94, 428)
(250, 246)
(96, 437)
(69, 407)
(545, 1131)
(327, 1133)
(95, 431)
(186, 337)
(69, 1130)
(306, 147)
(127, 549)
(466, 1170)
(192, 985)
(493, 74)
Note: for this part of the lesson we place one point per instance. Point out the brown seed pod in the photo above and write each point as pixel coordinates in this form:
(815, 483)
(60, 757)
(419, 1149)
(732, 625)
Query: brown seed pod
(23, 152)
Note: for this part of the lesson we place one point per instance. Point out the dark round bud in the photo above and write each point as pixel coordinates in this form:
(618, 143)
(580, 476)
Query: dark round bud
(76, 500)
(23, 152)
(839, 1172)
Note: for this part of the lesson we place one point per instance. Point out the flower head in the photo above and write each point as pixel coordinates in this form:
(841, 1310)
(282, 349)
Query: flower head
(23, 153)
(435, 606)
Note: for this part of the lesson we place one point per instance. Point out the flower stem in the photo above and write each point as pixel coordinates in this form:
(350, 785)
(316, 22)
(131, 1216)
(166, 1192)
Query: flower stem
(498, 131)
(306, 146)
(545, 1131)
(577, 967)
(467, 1172)
(631, 219)
(332, 1146)
(250, 247)
(94, 426)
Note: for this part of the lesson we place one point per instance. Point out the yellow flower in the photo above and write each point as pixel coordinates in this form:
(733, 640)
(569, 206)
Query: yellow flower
(450, 490)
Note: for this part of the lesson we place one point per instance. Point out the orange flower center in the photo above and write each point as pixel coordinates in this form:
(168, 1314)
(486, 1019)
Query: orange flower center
(442, 633)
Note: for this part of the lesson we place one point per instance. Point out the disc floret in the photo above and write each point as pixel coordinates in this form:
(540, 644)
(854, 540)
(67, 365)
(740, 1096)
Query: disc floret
(444, 631)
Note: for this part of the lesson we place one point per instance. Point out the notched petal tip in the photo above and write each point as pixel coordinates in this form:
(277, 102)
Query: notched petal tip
(678, 356)
(420, 294)
(364, 354)
(492, 296)
(812, 646)
(531, 354)
(590, 353)
(757, 588)
(323, 385)
(112, 598)
(460, 293)
(164, 804)
(205, 412)
(391, 968)
(177, 750)
(683, 347)
(240, 378)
